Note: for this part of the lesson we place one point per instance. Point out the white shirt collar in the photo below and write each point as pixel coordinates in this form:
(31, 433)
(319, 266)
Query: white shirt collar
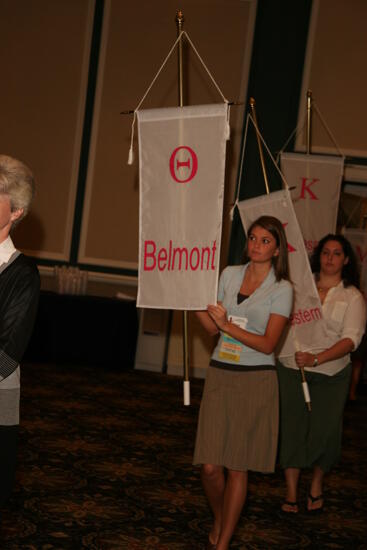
(7, 249)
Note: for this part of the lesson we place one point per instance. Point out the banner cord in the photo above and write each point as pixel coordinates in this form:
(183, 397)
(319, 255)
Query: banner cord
(269, 152)
(295, 132)
(205, 67)
(182, 33)
(300, 127)
(249, 117)
(354, 210)
(231, 212)
(323, 121)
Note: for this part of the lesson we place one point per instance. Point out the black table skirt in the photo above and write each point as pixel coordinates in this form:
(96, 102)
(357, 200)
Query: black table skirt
(84, 329)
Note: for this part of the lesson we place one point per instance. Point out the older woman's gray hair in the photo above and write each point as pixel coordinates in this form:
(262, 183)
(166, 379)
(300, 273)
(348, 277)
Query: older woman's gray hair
(16, 181)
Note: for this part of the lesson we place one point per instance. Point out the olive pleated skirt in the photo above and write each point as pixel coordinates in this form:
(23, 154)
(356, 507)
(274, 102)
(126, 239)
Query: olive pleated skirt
(313, 438)
(238, 420)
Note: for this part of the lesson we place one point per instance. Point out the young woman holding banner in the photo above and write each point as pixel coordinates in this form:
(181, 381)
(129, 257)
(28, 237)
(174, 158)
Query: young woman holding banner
(238, 420)
(313, 439)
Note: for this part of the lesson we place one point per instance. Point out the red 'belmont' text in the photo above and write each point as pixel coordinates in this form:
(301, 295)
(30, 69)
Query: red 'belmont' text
(305, 316)
(179, 258)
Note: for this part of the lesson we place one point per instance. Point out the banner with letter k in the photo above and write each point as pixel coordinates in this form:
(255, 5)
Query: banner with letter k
(182, 154)
(314, 182)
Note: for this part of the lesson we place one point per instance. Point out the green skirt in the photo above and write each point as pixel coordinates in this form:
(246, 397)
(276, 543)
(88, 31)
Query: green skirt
(313, 438)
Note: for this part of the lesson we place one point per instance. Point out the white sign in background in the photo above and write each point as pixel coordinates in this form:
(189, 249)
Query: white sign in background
(182, 163)
(358, 240)
(314, 182)
(307, 331)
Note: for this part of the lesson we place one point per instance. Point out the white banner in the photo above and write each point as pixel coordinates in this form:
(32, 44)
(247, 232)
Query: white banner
(307, 330)
(358, 240)
(182, 162)
(314, 182)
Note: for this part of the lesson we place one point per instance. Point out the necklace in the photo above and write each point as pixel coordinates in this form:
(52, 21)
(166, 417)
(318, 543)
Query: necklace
(320, 289)
(325, 288)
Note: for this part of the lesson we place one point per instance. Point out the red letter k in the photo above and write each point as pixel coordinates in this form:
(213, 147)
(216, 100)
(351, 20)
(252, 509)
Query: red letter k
(306, 188)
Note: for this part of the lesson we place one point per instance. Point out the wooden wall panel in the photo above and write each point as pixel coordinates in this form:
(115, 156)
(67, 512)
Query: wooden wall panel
(45, 57)
(335, 72)
(136, 39)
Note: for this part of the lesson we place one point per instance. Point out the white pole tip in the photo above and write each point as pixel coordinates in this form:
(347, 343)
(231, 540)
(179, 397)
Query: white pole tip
(186, 388)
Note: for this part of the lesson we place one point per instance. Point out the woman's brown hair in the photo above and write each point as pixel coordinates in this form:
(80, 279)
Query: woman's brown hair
(275, 228)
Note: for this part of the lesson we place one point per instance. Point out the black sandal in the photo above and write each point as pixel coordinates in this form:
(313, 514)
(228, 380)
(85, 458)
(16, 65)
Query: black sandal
(313, 500)
(292, 504)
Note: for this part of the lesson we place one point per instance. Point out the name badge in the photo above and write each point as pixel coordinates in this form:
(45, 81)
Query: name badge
(230, 349)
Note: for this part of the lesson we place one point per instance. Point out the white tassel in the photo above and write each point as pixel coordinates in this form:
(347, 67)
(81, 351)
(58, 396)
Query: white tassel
(130, 159)
(228, 126)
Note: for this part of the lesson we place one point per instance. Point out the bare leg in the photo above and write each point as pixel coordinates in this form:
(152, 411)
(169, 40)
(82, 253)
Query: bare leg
(291, 478)
(234, 499)
(316, 489)
(213, 481)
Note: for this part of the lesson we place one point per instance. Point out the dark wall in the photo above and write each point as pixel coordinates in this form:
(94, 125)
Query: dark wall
(275, 82)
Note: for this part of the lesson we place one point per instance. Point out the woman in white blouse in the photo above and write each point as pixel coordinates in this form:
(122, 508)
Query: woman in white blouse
(313, 439)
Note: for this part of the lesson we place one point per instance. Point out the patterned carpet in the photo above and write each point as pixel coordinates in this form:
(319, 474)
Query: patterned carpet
(105, 464)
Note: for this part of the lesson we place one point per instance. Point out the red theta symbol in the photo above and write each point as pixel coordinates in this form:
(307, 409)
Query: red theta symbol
(189, 165)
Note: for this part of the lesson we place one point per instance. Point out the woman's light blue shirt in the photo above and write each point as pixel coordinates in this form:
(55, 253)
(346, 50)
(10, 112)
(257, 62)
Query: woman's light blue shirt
(270, 297)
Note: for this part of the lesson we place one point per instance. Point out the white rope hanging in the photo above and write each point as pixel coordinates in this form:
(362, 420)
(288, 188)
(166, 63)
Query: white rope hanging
(294, 133)
(323, 122)
(350, 217)
(248, 118)
(180, 36)
(231, 212)
(300, 127)
(268, 151)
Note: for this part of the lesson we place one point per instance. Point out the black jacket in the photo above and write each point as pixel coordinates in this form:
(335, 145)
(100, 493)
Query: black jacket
(19, 292)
